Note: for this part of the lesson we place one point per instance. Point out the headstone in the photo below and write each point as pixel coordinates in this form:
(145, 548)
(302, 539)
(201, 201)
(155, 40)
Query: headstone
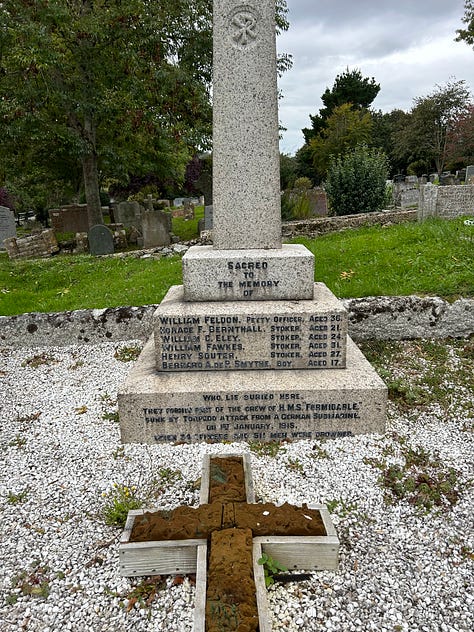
(249, 348)
(208, 217)
(69, 219)
(470, 174)
(7, 225)
(101, 240)
(156, 228)
(128, 214)
(178, 202)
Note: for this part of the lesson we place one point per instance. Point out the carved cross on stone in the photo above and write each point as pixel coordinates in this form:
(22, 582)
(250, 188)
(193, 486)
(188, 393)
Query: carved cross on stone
(230, 585)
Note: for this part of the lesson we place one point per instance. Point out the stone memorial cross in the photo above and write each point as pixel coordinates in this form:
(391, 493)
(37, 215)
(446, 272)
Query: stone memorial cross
(246, 158)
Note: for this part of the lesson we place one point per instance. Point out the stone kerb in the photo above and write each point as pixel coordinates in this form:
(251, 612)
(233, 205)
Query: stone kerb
(43, 244)
(376, 318)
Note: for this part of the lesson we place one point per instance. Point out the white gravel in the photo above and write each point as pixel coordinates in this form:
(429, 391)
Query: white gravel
(400, 569)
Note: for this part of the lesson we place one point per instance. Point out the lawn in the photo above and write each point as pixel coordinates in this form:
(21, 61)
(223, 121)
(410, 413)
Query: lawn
(431, 258)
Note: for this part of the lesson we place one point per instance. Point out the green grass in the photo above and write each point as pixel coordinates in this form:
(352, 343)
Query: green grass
(187, 229)
(80, 281)
(429, 258)
(435, 257)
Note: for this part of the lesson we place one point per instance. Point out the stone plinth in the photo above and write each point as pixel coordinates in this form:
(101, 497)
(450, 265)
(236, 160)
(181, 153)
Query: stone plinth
(246, 158)
(281, 274)
(204, 336)
(247, 405)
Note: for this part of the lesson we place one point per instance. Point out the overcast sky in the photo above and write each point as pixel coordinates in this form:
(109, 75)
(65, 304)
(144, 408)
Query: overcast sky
(406, 45)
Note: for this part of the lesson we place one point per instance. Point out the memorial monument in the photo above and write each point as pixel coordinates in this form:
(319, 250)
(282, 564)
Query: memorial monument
(249, 347)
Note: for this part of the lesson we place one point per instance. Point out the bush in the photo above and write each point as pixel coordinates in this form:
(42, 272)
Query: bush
(356, 182)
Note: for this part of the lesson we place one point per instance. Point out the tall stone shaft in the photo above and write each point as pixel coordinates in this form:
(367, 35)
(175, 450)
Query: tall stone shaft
(246, 178)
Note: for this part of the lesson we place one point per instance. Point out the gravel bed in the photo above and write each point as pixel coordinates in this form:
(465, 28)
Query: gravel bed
(401, 567)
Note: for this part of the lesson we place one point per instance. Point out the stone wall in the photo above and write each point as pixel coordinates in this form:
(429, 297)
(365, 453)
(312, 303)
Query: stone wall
(446, 202)
(43, 244)
(322, 225)
(379, 318)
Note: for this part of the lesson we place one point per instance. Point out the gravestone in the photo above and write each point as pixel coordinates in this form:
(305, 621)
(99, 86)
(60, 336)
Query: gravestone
(470, 174)
(156, 228)
(128, 214)
(101, 240)
(249, 347)
(208, 217)
(71, 218)
(7, 225)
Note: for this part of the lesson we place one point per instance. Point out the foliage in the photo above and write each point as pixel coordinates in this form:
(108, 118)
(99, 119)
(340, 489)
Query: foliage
(425, 134)
(432, 258)
(287, 171)
(270, 568)
(349, 87)
(421, 479)
(101, 89)
(33, 582)
(266, 448)
(467, 34)
(118, 502)
(345, 129)
(127, 354)
(460, 141)
(356, 181)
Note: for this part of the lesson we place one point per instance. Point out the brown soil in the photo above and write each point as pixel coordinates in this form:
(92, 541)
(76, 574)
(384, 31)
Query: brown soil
(230, 524)
(227, 480)
(231, 598)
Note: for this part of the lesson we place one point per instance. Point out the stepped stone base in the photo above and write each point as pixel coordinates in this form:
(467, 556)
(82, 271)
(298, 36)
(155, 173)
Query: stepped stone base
(205, 336)
(250, 405)
(280, 274)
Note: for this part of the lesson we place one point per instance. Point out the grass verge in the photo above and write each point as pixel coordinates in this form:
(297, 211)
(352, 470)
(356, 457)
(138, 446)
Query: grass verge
(430, 258)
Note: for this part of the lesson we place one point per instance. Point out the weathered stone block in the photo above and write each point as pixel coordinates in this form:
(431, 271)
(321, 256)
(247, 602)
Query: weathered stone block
(247, 405)
(280, 274)
(203, 336)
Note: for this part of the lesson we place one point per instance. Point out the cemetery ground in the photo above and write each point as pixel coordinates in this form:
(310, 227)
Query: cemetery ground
(402, 503)
(434, 257)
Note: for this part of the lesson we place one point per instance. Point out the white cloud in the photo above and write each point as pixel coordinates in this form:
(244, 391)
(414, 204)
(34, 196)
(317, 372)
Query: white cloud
(408, 47)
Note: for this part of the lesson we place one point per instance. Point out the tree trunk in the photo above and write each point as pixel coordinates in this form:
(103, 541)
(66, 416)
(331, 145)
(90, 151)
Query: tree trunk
(91, 189)
(91, 174)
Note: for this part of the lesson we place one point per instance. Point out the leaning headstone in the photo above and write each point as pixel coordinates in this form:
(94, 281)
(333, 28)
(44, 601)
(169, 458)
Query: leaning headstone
(156, 228)
(7, 225)
(101, 240)
(470, 174)
(249, 347)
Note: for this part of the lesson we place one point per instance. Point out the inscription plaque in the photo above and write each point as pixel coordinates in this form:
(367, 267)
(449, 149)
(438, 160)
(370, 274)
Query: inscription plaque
(286, 335)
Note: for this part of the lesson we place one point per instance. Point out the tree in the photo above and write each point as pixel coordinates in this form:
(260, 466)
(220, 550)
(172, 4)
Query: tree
(356, 182)
(287, 171)
(113, 87)
(385, 127)
(467, 34)
(349, 87)
(346, 128)
(460, 143)
(426, 133)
